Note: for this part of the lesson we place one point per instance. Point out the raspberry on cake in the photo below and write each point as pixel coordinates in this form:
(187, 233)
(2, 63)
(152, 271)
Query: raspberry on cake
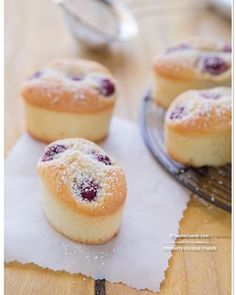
(84, 190)
(198, 127)
(69, 98)
(199, 63)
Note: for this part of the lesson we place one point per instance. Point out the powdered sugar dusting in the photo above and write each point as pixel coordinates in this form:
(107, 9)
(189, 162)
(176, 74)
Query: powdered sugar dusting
(211, 59)
(204, 104)
(88, 177)
(53, 83)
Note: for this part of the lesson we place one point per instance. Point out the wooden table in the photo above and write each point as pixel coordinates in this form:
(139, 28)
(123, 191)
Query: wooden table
(35, 34)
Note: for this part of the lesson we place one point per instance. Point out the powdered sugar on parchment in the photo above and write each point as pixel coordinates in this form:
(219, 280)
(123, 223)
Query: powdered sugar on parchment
(135, 257)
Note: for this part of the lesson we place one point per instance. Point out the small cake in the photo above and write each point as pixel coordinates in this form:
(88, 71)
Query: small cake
(69, 98)
(199, 63)
(198, 127)
(84, 190)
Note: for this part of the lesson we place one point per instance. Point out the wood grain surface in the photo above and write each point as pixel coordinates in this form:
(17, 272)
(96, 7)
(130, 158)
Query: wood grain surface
(35, 34)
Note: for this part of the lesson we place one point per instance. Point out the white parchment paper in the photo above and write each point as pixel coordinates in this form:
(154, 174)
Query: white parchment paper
(154, 207)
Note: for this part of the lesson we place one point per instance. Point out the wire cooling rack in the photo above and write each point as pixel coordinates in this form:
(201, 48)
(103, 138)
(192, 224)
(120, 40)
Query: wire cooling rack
(212, 184)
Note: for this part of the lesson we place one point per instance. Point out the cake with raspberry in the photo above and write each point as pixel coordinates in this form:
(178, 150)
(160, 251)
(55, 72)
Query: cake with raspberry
(199, 63)
(84, 190)
(69, 98)
(198, 127)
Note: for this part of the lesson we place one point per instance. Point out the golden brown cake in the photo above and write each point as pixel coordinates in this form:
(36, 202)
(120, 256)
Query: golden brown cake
(199, 63)
(198, 127)
(84, 190)
(69, 98)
